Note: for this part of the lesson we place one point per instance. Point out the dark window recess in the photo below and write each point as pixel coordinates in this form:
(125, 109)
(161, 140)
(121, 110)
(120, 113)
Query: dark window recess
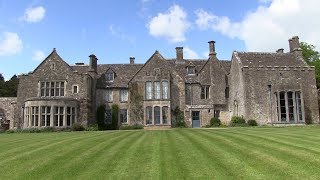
(204, 92)
(216, 113)
(227, 92)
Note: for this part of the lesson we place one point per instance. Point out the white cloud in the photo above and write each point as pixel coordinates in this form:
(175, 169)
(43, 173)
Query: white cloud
(269, 26)
(171, 25)
(38, 55)
(10, 43)
(189, 53)
(34, 14)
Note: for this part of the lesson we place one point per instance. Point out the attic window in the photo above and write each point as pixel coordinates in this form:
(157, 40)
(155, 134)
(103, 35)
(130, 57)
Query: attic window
(191, 70)
(109, 77)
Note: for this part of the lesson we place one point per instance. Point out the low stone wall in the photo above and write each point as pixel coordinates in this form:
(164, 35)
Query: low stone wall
(7, 115)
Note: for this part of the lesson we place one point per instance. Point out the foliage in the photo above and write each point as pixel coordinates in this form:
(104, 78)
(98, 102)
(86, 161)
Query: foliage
(312, 57)
(237, 121)
(215, 122)
(252, 122)
(93, 127)
(136, 101)
(308, 114)
(77, 127)
(178, 118)
(115, 117)
(9, 88)
(131, 127)
(101, 117)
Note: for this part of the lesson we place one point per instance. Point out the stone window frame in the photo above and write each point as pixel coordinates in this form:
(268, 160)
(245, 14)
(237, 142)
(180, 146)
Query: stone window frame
(45, 112)
(205, 92)
(52, 88)
(109, 76)
(150, 115)
(121, 116)
(58, 116)
(34, 115)
(154, 90)
(109, 95)
(282, 112)
(77, 89)
(123, 94)
(70, 115)
(191, 70)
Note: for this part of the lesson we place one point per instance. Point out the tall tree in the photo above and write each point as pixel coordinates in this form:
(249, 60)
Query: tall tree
(1, 78)
(312, 57)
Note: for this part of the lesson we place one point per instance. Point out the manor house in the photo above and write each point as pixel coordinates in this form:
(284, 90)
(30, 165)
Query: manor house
(271, 88)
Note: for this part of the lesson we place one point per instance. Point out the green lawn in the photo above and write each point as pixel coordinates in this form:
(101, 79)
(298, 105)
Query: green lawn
(234, 153)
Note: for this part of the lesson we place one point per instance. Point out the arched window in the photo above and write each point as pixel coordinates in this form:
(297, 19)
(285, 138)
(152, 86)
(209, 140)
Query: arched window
(148, 115)
(156, 115)
(165, 89)
(157, 90)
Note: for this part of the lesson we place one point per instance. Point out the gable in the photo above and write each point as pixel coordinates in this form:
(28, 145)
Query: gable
(53, 67)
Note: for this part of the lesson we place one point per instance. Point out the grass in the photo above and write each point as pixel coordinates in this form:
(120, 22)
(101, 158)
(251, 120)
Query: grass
(232, 153)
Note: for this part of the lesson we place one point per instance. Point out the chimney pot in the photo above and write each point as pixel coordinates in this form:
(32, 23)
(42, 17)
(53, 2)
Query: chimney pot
(212, 48)
(179, 52)
(132, 60)
(93, 63)
(294, 44)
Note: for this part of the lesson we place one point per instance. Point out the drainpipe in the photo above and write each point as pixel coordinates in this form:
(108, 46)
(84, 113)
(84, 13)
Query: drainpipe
(270, 104)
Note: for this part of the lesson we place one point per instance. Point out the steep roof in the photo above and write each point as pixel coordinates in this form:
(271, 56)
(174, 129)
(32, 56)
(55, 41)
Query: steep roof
(256, 59)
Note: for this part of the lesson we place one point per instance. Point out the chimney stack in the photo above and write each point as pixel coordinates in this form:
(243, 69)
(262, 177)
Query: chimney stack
(212, 49)
(294, 43)
(179, 51)
(93, 63)
(132, 60)
(280, 50)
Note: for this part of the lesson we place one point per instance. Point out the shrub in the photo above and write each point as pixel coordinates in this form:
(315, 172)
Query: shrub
(48, 129)
(93, 127)
(179, 118)
(237, 121)
(115, 116)
(252, 122)
(10, 131)
(131, 127)
(215, 122)
(77, 127)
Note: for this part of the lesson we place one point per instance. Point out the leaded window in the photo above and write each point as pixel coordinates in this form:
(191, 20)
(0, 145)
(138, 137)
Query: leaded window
(148, 90)
(288, 108)
(34, 116)
(58, 116)
(45, 115)
(204, 92)
(123, 116)
(109, 77)
(148, 115)
(157, 90)
(108, 116)
(71, 115)
(165, 114)
(51, 89)
(108, 95)
(156, 115)
(123, 95)
(165, 89)
(191, 70)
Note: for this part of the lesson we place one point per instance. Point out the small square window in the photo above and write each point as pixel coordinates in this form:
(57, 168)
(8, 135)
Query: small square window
(109, 77)
(191, 70)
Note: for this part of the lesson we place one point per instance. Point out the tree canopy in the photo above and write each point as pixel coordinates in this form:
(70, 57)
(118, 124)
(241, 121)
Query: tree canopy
(312, 57)
(8, 88)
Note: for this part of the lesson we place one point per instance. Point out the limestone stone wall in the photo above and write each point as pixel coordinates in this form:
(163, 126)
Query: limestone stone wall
(7, 115)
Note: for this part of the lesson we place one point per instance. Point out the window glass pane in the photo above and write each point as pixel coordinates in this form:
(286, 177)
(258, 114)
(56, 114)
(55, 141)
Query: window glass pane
(165, 114)
(283, 107)
(109, 95)
(290, 106)
(123, 95)
(148, 90)
(148, 115)
(298, 106)
(123, 115)
(157, 90)
(165, 89)
(157, 115)
(276, 106)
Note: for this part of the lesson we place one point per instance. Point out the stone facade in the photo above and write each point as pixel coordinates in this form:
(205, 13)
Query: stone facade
(7, 114)
(272, 88)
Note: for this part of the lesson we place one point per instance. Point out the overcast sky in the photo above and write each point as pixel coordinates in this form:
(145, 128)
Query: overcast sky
(116, 30)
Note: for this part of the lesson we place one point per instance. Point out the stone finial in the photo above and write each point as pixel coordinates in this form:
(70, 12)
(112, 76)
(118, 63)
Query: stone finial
(280, 50)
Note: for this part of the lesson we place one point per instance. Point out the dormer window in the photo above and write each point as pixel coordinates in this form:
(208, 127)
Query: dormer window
(191, 70)
(109, 77)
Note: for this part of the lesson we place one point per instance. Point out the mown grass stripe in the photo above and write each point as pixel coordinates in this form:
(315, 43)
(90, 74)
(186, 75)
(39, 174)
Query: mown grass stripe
(285, 161)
